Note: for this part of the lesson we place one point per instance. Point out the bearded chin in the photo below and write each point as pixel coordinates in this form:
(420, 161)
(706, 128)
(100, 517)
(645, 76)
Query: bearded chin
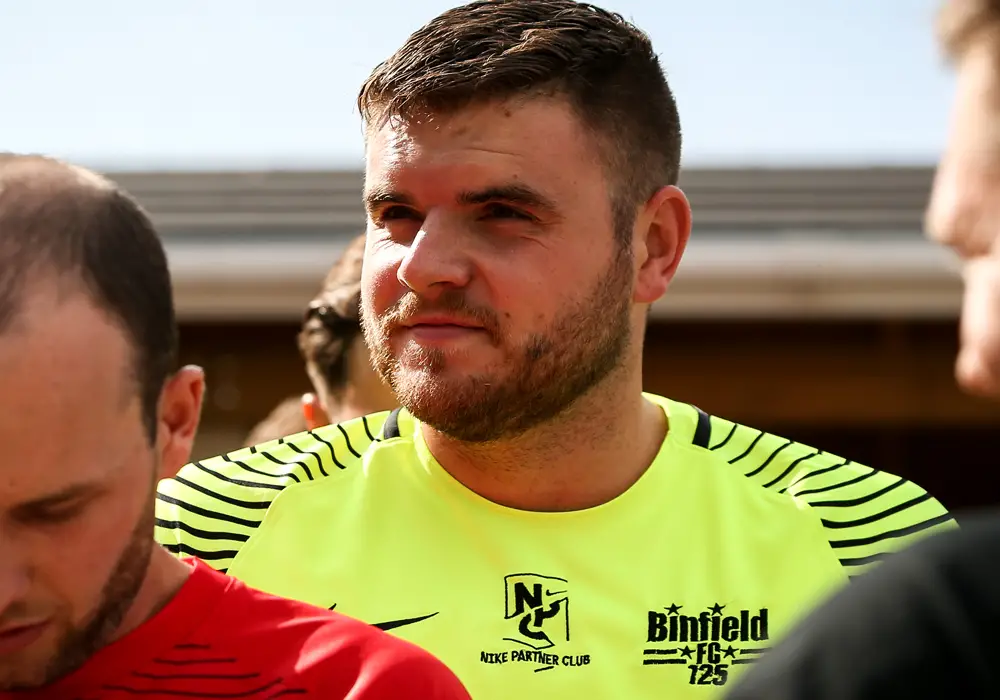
(537, 381)
(117, 597)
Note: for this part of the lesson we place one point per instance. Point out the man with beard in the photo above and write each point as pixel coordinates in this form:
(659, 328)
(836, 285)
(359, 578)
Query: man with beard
(94, 413)
(530, 515)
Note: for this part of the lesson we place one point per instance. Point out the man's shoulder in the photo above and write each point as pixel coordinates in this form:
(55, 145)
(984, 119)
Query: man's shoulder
(253, 616)
(330, 652)
(214, 505)
(865, 513)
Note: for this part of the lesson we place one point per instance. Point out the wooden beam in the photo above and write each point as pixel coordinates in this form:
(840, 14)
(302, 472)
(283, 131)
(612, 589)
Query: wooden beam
(831, 374)
(858, 375)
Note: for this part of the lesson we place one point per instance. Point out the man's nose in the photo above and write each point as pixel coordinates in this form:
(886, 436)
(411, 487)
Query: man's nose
(13, 574)
(437, 259)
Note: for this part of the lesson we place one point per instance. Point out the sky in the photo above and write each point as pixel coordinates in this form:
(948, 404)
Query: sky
(260, 84)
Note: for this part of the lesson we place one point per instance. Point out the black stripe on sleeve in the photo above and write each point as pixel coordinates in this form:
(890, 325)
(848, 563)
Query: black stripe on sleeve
(861, 561)
(130, 690)
(198, 532)
(703, 430)
(238, 482)
(767, 461)
(861, 499)
(193, 677)
(316, 436)
(253, 505)
(333, 456)
(836, 524)
(247, 467)
(831, 487)
(725, 441)
(368, 430)
(749, 448)
(214, 515)
(893, 534)
(319, 461)
(791, 467)
(818, 472)
(187, 549)
(347, 439)
(272, 458)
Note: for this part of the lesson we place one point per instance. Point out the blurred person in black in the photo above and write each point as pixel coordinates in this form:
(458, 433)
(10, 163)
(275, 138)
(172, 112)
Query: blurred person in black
(925, 624)
(336, 358)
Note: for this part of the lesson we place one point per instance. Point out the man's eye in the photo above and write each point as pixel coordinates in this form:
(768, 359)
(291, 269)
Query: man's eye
(502, 211)
(55, 515)
(395, 213)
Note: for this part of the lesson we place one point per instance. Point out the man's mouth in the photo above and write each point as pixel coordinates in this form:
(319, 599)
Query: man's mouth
(428, 329)
(13, 638)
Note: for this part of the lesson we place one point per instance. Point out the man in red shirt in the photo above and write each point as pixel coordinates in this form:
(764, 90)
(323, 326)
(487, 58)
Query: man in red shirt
(93, 413)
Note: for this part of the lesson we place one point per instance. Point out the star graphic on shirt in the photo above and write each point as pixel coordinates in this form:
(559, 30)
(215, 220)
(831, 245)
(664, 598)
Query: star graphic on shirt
(717, 609)
(674, 607)
(730, 652)
(686, 652)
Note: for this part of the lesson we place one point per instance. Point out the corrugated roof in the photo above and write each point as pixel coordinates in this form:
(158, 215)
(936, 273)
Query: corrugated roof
(747, 200)
(768, 243)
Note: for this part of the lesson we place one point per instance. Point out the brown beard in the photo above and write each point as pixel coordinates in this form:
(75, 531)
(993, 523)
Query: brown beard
(545, 376)
(119, 592)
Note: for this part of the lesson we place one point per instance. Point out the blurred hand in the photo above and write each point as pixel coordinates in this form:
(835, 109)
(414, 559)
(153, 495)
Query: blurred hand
(964, 211)
(978, 365)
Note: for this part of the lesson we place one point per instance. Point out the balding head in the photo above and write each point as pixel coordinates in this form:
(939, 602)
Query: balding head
(68, 227)
(92, 414)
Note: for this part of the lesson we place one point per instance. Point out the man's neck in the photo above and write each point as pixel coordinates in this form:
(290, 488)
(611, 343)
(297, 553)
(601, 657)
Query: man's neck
(353, 403)
(165, 576)
(587, 457)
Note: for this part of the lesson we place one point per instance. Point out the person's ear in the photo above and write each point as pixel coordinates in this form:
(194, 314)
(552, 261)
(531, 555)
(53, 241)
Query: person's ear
(313, 411)
(662, 231)
(178, 418)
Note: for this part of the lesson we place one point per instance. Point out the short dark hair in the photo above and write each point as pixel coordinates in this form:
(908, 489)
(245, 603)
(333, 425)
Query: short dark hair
(333, 320)
(63, 220)
(499, 49)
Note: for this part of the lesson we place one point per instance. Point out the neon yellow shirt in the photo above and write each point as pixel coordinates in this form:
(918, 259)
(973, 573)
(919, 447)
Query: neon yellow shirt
(668, 591)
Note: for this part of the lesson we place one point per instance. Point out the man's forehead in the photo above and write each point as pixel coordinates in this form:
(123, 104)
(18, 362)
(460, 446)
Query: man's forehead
(62, 343)
(513, 127)
(69, 406)
(538, 144)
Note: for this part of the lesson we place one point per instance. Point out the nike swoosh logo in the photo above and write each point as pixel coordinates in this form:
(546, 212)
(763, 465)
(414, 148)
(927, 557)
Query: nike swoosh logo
(394, 624)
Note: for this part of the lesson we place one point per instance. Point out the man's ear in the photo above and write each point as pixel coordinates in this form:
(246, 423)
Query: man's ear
(313, 412)
(662, 231)
(179, 415)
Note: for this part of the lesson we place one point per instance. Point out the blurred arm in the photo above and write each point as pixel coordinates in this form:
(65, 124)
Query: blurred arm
(964, 211)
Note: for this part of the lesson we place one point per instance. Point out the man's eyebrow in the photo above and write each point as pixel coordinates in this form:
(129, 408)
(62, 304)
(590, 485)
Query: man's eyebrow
(66, 495)
(378, 196)
(512, 194)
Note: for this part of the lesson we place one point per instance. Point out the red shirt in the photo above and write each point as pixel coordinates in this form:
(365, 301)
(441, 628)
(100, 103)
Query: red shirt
(217, 638)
